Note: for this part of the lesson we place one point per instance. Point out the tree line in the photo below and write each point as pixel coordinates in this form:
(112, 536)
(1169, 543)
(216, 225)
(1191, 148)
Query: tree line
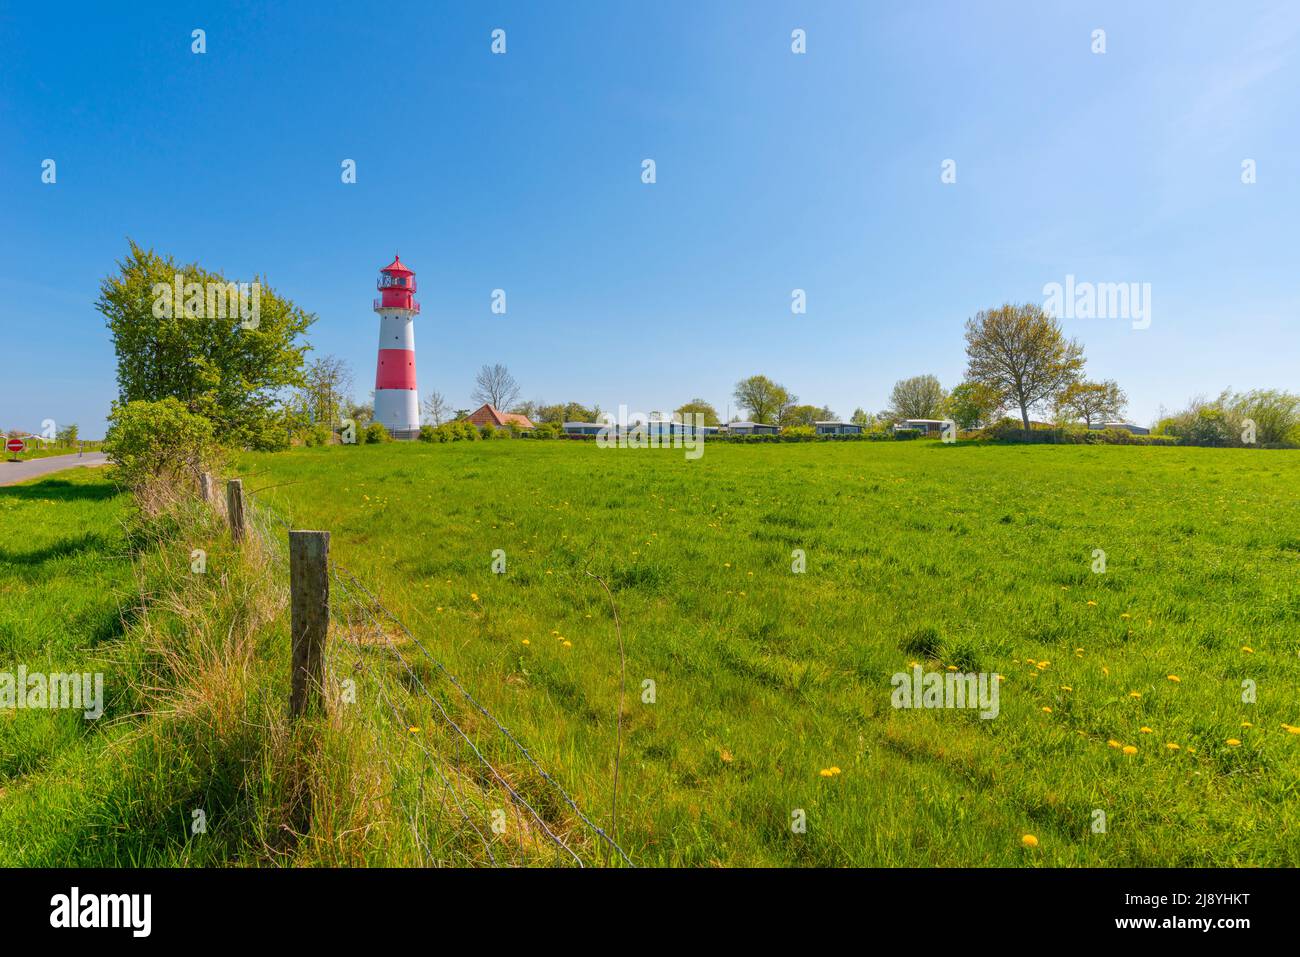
(258, 389)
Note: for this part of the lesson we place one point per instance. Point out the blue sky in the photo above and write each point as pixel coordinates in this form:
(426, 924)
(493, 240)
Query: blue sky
(775, 171)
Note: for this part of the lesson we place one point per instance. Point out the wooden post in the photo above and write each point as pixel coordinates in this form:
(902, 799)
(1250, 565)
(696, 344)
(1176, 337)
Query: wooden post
(205, 487)
(235, 509)
(309, 604)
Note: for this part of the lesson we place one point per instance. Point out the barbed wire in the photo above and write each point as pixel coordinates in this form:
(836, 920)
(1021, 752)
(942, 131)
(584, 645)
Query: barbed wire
(352, 587)
(403, 722)
(515, 795)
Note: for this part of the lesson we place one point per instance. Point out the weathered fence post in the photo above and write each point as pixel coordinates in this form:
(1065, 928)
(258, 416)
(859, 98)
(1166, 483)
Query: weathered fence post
(205, 487)
(309, 604)
(235, 508)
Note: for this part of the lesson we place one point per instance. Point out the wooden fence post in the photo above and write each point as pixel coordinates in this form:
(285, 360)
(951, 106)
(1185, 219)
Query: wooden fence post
(205, 487)
(309, 604)
(235, 509)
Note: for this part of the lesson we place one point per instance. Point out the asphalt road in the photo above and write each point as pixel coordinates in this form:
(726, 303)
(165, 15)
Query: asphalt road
(12, 473)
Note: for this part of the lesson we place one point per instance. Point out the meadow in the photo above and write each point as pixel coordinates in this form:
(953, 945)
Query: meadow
(1127, 735)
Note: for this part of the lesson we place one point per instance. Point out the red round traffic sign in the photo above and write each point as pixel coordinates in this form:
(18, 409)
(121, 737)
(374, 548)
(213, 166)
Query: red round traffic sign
(15, 445)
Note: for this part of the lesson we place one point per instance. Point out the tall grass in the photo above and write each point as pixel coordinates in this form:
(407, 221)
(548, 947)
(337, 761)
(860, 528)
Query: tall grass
(195, 761)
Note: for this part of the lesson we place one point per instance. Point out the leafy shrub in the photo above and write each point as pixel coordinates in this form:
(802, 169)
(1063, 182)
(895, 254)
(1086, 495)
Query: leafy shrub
(316, 435)
(428, 434)
(799, 432)
(376, 433)
(157, 443)
(487, 431)
(1009, 430)
(547, 430)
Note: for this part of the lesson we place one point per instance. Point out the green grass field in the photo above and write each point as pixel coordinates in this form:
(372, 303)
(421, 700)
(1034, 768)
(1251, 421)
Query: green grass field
(767, 681)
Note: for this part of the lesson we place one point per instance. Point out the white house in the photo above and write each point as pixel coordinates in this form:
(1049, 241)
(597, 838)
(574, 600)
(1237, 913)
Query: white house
(837, 428)
(924, 426)
(752, 428)
(1121, 426)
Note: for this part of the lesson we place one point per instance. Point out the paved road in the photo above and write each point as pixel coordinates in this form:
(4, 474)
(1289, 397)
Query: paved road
(13, 472)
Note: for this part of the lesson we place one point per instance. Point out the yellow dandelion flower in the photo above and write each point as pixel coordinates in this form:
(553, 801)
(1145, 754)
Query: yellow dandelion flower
(1029, 840)
(952, 667)
(1247, 649)
(1001, 677)
(1105, 671)
(829, 772)
(1042, 664)
(725, 755)
(1293, 730)
(1126, 615)
(413, 729)
(1174, 678)
(567, 644)
(527, 642)
(1145, 730)
(1171, 746)
(473, 596)
(1047, 710)
(1113, 743)
(1092, 604)
(1135, 694)
(1247, 724)
(1066, 688)
(1234, 742)
(1129, 749)
(439, 608)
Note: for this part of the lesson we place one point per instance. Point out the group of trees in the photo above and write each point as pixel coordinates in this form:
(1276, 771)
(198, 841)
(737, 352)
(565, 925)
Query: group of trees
(1017, 358)
(1259, 417)
(228, 371)
(254, 386)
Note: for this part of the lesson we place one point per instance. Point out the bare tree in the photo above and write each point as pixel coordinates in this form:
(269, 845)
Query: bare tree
(435, 407)
(327, 385)
(495, 386)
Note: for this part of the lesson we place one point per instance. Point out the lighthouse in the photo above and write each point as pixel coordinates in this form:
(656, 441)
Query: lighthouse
(397, 404)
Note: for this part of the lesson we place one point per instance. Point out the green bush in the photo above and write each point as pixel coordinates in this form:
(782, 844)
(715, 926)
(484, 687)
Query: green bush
(428, 433)
(487, 431)
(154, 443)
(376, 433)
(1009, 430)
(547, 430)
(317, 435)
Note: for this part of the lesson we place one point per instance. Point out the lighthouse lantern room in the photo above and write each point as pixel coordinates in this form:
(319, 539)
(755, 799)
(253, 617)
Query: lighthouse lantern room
(397, 404)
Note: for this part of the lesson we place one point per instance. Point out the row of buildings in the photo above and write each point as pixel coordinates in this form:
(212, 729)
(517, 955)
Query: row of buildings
(490, 415)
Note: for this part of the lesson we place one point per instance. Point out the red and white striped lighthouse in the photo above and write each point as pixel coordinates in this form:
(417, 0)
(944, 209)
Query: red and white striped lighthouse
(397, 403)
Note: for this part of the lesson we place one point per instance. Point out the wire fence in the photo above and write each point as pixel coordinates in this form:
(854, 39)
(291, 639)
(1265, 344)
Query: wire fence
(471, 792)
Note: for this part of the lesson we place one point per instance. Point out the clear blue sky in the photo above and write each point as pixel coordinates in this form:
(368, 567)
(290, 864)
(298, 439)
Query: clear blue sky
(775, 171)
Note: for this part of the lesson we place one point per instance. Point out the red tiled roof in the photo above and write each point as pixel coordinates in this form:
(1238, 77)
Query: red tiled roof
(490, 415)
